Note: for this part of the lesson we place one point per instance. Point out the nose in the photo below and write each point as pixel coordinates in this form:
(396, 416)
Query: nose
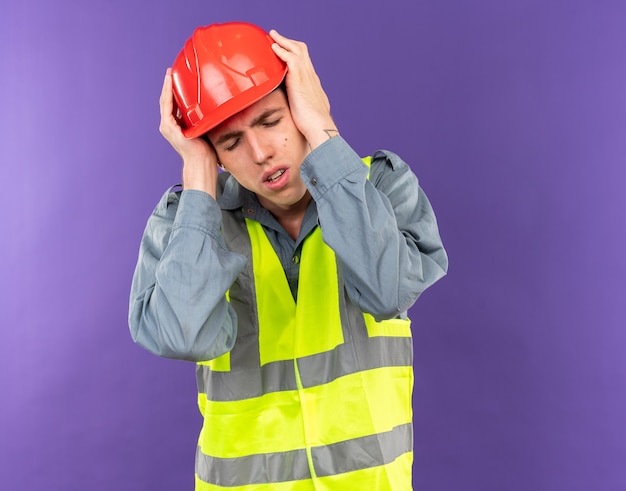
(260, 148)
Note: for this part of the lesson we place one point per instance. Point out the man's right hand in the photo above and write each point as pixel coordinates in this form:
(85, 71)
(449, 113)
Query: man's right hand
(199, 159)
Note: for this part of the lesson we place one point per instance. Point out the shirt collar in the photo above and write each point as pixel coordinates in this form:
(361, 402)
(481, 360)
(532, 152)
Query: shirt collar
(235, 196)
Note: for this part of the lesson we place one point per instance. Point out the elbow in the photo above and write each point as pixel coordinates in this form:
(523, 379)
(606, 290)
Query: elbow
(409, 290)
(200, 343)
(432, 268)
(185, 348)
(183, 340)
(385, 306)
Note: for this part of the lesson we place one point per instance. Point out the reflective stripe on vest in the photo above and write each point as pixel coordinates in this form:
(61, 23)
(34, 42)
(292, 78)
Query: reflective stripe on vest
(314, 394)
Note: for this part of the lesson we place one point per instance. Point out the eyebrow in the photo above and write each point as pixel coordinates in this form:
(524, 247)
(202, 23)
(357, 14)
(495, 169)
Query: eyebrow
(256, 121)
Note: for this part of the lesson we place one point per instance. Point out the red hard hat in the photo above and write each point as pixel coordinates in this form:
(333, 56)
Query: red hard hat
(222, 69)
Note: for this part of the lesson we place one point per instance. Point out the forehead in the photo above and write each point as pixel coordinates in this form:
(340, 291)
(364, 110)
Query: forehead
(246, 117)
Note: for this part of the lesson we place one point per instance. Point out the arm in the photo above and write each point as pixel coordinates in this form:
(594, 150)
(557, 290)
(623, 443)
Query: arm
(382, 229)
(308, 102)
(199, 159)
(177, 303)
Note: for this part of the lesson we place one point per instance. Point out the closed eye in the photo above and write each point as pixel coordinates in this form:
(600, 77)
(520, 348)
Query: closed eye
(232, 144)
(230, 140)
(269, 124)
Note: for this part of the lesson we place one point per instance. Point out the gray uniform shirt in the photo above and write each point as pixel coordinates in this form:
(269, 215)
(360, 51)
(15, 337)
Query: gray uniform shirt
(382, 230)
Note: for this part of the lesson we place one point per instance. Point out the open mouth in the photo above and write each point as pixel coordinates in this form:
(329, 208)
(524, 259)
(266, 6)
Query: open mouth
(276, 175)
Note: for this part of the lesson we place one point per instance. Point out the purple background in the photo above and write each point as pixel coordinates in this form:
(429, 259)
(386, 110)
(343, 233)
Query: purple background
(513, 114)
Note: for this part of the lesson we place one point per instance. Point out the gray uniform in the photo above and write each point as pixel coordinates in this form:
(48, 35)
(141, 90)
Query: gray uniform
(380, 225)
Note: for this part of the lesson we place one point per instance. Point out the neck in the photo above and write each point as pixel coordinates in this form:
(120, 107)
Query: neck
(290, 217)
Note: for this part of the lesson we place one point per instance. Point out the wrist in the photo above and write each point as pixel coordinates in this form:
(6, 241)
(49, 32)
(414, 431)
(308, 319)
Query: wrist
(321, 134)
(200, 175)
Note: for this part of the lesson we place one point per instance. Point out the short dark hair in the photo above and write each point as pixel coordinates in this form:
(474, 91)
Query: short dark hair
(283, 87)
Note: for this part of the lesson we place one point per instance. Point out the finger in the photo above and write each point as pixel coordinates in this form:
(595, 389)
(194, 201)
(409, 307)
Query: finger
(276, 36)
(167, 82)
(287, 44)
(169, 125)
(166, 100)
(281, 52)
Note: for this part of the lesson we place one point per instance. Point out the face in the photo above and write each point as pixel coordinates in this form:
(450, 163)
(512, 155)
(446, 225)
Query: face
(263, 149)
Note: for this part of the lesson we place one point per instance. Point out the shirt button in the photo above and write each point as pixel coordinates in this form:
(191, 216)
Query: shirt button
(295, 259)
(313, 181)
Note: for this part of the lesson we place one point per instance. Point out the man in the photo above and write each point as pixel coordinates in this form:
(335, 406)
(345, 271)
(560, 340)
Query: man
(287, 277)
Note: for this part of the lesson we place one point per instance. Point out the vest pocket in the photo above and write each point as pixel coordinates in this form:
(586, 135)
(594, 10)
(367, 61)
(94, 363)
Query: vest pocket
(219, 364)
(390, 327)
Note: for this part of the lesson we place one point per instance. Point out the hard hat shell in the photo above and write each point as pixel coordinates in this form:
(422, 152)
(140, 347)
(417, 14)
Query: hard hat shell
(221, 70)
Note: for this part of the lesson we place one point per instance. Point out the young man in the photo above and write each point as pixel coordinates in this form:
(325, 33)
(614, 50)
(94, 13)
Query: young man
(287, 277)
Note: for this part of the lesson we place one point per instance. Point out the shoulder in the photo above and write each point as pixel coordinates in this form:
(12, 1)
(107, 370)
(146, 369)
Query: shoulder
(388, 158)
(388, 168)
(167, 205)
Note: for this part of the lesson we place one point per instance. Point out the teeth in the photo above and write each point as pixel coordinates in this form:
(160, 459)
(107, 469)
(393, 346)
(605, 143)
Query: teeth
(275, 175)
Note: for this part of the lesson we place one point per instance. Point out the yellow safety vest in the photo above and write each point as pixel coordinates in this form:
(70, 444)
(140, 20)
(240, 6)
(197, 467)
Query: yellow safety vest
(315, 395)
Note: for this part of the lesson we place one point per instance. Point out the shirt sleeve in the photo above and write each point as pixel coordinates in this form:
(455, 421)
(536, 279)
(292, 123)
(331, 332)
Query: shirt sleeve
(380, 224)
(178, 307)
